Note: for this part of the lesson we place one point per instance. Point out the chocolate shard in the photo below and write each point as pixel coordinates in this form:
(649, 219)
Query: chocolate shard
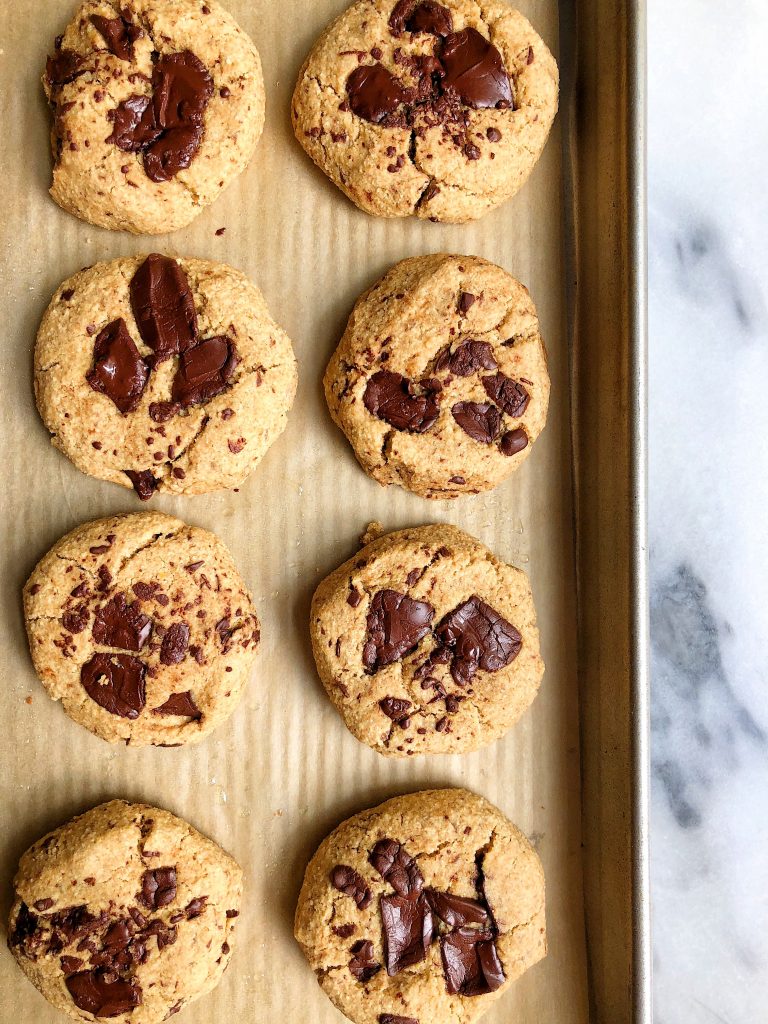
(396, 866)
(121, 625)
(116, 682)
(363, 965)
(510, 396)
(474, 70)
(373, 92)
(477, 637)
(408, 930)
(470, 357)
(119, 34)
(389, 396)
(481, 420)
(181, 704)
(464, 972)
(395, 626)
(163, 307)
(158, 888)
(204, 371)
(351, 883)
(396, 708)
(458, 911)
(118, 370)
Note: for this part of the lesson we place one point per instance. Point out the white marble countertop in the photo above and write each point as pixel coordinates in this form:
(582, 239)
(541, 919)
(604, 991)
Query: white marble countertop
(708, 207)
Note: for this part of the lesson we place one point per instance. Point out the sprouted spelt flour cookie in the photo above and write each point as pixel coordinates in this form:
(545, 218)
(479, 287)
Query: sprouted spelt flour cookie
(126, 912)
(427, 643)
(157, 105)
(143, 628)
(440, 382)
(163, 375)
(423, 910)
(438, 110)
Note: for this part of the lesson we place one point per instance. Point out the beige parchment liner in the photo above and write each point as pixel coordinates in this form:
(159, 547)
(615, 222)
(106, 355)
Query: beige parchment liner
(271, 783)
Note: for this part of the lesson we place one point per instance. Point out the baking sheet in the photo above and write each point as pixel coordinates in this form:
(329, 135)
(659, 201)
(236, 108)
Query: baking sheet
(271, 783)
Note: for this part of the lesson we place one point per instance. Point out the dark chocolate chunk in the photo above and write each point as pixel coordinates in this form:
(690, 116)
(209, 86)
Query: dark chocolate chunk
(25, 926)
(116, 682)
(181, 704)
(362, 965)
(393, 1018)
(396, 866)
(511, 397)
(463, 968)
(408, 930)
(477, 637)
(395, 626)
(513, 441)
(481, 420)
(204, 371)
(374, 92)
(348, 881)
(143, 482)
(119, 34)
(122, 625)
(343, 930)
(64, 67)
(466, 302)
(471, 357)
(389, 396)
(74, 620)
(474, 70)
(490, 965)
(396, 708)
(420, 16)
(103, 993)
(70, 964)
(163, 306)
(118, 370)
(175, 644)
(458, 911)
(133, 125)
(158, 888)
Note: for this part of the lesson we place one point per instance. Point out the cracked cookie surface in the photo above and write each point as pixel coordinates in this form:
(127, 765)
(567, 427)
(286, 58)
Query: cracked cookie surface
(438, 110)
(157, 105)
(165, 375)
(126, 912)
(440, 381)
(143, 628)
(423, 909)
(427, 643)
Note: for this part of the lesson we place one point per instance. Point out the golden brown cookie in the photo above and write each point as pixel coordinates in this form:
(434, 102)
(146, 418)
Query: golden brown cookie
(143, 628)
(438, 110)
(440, 382)
(157, 105)
(126, 912)
(163, 374)
(422, 910)
(427, 643)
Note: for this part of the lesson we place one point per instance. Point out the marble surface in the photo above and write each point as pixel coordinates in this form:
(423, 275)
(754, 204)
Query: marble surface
(708, 209)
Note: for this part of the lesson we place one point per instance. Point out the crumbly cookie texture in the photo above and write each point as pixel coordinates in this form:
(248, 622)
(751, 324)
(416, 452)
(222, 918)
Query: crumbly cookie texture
(162, 374)
(438, 110)
(440, 381)
(126, 912)
(143, 628)
(427, 643)
(422, 910)
(157, 105)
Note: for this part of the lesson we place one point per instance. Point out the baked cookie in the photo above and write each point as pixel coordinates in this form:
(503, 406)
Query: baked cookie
(162, 374)
(438, 110)
(157, 105)
(427, 643)
(422, 910)
(143, 628)
(124, 912)
(440, 381)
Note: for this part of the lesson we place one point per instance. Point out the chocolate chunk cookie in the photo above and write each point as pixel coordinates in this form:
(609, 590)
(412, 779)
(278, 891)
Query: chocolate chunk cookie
(440, 381)
(427, 643)
(162, 374)
(126, 911)
(157, 105)
(453, 910)
(415, 107)
(142, 627)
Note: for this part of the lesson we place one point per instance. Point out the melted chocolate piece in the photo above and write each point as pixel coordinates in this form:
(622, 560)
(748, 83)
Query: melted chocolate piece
(116, 682)
(374, 93)
(481, 420)
(388, 396)
(408, 930)
(204, 371)
(425, 16)
(396, 708)
(396, 866)
(474, 70)
(466, 955)
(25, 926)
(395, 626)
(362, 965)
(471, 357)
(163, 306)
(348, 881)
(175, 644)
(103, 993)
(64, 67)
(458, 911)
(133, 123)
(122, 625)
(119, 34)
(158, 888)
(477, 637)
(510, 396)
(513, 441)
(143, 482)
(118, 370)
(181, 704)
(393, 1018)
